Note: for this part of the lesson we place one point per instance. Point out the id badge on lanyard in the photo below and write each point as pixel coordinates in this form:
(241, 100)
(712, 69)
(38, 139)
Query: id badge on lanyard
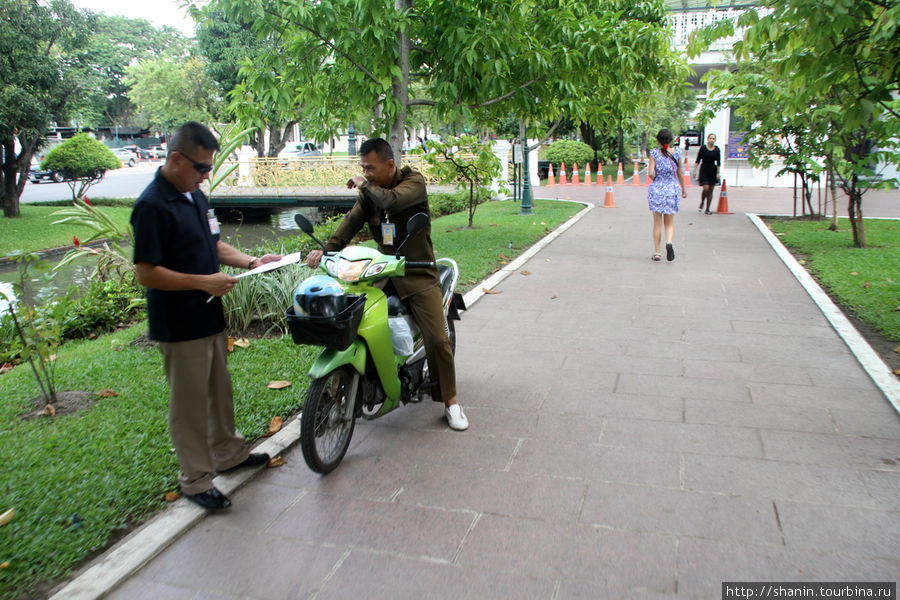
(388, 231)
(213, 222)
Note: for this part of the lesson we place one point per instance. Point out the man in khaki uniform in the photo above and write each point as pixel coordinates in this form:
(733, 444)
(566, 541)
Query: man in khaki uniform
(387, 198)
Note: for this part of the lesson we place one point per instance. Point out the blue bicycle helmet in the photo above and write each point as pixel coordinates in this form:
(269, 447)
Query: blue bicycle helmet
(319, 296)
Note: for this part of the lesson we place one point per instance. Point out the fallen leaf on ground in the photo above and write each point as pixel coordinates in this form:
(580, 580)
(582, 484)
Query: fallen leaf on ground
(242, 343)
(276, 462)
(172, 496)
(554, 297)
(897, 349)
(487, 291)
(4, 565)
(7, 367)
(50, 358)
(503, 262)
(524, 272)
(107, 393)
(49, 410)
(504, 257)
(230, 344)
(492, 224)
(867, 285)
(802, 261)
(854, 273)
(278, 385)
(897, 372)
(7, 516)
(546, 230)
(274, 426)
(898, 308)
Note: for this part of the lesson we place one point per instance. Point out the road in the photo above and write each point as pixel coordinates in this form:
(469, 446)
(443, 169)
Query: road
(126, 182)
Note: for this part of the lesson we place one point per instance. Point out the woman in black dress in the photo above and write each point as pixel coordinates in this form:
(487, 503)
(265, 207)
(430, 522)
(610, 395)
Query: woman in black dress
(706, 170)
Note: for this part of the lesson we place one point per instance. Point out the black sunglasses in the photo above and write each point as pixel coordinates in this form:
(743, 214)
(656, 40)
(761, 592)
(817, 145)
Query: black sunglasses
(198, 166)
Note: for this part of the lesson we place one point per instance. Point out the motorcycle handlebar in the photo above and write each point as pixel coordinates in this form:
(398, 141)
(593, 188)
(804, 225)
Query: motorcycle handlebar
(420, 264)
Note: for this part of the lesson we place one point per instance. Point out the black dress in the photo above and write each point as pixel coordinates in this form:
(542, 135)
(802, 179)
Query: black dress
(709, 161)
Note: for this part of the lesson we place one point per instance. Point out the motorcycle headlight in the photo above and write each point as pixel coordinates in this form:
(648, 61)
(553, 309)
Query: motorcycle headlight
(375, 269)
(351, 270)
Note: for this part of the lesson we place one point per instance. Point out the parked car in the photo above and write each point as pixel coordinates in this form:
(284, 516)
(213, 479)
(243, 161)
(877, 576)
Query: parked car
(36, 174)
(299, 150)
(128, 158)
(157, 152)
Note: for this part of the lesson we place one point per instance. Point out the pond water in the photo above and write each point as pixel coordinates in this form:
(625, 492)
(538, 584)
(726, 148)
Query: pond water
(246, 234)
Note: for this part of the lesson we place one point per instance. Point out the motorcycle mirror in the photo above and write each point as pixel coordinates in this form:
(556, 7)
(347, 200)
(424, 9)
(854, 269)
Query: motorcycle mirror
(416, 223)
(307, 228)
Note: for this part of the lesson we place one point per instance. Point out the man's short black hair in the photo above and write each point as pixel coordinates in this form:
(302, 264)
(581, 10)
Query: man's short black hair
(379, 146)
(191, 136)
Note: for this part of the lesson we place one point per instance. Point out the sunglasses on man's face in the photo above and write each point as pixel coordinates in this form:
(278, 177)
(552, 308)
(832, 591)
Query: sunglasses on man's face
(198, 166)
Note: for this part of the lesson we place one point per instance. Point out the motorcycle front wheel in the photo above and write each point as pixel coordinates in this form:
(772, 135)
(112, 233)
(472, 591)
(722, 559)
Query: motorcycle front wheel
(327, 420)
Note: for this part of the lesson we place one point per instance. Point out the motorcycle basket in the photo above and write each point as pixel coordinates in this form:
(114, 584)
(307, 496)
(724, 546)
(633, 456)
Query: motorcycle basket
(336, 333)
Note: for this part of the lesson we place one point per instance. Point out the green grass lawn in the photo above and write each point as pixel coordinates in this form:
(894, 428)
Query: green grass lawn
(77, 480)
(33, 228)
(863, 280)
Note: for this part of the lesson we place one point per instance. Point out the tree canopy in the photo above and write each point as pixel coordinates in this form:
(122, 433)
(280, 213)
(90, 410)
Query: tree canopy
(468, 59)
(40, 79)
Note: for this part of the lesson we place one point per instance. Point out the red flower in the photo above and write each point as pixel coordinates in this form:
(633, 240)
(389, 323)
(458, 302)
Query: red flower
(87, 200)
(75, 241)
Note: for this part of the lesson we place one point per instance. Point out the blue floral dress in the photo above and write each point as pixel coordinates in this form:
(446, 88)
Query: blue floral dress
(664, 193)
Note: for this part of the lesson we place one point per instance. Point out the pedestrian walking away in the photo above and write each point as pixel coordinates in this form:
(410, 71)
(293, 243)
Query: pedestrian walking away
(706, 170)
(387, 198)
(663, 195)
(177, 253)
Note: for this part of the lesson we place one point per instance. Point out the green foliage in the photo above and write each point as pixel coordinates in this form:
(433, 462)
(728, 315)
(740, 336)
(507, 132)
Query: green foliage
(171, 89)
(83, 160)
(862, 280)
(469, 163)
(447, 204)
(112, 258)
(32, 229)
(569, 152)
(104, 306)
(833, 66)
(40, 84)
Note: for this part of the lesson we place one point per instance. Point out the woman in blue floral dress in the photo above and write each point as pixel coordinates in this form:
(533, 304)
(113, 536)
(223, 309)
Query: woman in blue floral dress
(665, 191)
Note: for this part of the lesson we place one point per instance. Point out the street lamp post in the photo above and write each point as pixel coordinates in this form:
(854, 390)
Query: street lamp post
(526, 176)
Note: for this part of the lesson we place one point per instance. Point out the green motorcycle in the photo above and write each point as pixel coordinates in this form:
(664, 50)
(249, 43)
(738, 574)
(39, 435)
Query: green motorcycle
(373, 358)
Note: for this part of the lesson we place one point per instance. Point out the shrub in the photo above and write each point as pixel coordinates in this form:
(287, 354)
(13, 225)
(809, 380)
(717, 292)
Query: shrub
(569, 152)
(446, 204)
(101, 308)
(82, 160)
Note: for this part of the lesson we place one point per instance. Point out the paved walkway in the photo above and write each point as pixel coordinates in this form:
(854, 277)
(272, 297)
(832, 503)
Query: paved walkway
(638, 430)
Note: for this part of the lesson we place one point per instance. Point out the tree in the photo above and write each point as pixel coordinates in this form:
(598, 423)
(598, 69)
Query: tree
(82, 160)
(469, 59)
(116, 43)
(170, 90)
(569, 152)
(839, 62)
(40, 84)
(468, 162)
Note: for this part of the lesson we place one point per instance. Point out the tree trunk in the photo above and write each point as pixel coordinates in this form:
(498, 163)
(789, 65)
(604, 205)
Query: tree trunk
(854, 209)
(400, 87)
(14, 174)
(832, 178)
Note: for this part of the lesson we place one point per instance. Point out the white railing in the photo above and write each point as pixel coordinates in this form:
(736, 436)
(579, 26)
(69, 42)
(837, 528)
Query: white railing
(685, 22)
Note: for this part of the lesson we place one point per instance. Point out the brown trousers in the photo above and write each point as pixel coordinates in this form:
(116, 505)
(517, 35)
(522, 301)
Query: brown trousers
(428, 312)
(201, 410)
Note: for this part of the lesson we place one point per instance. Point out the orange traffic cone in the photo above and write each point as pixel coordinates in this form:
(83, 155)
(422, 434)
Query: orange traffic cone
(587, 174)
(637, 176)
(620, 176)
(599, 179)
(550, 180)
(687, 172)
(575, 179)
(609, 201)
(562, 174)
(723, 201)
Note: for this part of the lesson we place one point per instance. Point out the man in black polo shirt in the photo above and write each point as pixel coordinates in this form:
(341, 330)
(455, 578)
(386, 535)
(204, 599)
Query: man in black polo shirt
(177, 252)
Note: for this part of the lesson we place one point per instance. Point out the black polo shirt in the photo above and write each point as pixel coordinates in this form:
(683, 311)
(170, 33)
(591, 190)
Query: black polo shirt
(173, 232)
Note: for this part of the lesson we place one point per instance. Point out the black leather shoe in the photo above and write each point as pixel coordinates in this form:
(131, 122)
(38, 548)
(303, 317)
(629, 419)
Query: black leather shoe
(211, 499)
(256, 459)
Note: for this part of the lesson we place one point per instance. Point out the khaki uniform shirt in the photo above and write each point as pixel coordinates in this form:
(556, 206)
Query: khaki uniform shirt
(375, 205)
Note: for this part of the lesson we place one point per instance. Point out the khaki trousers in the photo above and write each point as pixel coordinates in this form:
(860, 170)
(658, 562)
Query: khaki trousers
(428, 312)
(201, 410)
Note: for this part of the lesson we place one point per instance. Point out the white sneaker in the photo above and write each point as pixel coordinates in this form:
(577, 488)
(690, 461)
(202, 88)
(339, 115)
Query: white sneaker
(456, 418)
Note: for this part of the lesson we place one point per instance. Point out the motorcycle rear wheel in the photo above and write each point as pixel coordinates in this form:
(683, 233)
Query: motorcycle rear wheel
(327, 420)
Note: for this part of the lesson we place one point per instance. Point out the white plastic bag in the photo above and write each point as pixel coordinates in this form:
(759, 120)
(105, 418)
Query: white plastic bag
(401, 336)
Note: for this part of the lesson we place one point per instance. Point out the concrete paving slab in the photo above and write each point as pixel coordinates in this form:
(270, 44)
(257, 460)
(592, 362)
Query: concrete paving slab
(655, 429)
